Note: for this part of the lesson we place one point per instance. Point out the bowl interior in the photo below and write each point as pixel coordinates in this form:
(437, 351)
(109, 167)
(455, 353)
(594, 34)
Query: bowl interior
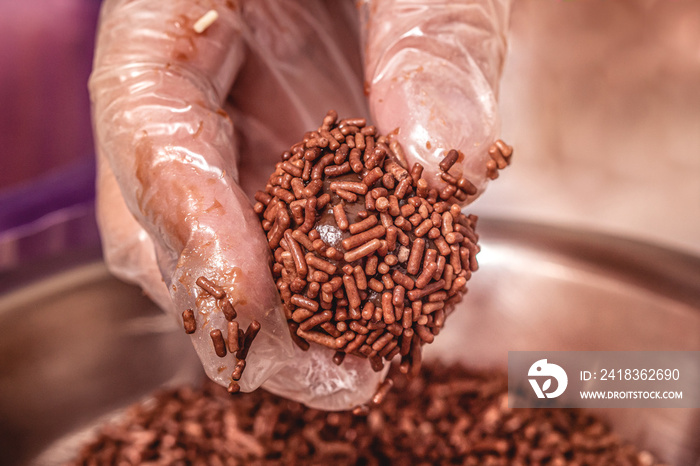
(77, 344)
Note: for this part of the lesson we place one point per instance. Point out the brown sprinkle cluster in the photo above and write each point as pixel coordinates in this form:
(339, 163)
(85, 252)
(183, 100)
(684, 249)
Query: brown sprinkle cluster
(367, 259)
(446, 415)
(236, 340)
(500, 154)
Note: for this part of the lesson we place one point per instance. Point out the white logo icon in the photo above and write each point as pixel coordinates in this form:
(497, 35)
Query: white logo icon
(544, 369)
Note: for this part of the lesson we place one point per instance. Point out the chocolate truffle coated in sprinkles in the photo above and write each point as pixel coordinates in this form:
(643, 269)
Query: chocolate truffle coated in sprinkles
(361, 242)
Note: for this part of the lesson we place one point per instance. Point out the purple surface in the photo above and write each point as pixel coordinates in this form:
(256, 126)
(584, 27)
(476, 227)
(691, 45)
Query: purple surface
(29, 202)
(51, 215)
(46, 162)
(46, 49)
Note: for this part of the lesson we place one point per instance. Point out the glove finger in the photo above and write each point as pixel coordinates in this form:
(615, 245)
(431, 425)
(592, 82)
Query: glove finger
(128, 250)
(433, 72)
(312, 378)
(157, 90)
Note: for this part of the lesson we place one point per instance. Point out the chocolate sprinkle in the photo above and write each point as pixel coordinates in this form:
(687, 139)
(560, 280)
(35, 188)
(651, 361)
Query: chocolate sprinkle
(234, 341)
(211, 288)
(447, 415)
(217, 339)
(189, 321)
(500, 154)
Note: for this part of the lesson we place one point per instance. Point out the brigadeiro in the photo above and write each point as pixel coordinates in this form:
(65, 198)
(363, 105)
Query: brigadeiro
(367, 258)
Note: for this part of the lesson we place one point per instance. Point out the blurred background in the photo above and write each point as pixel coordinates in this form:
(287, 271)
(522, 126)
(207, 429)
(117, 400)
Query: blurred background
(602, 103)
(46, 146)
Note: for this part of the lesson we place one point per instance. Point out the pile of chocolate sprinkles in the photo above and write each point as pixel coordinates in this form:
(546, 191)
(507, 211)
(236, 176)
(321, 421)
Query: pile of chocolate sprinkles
(237, 341)
(447, 415)
(367, 259)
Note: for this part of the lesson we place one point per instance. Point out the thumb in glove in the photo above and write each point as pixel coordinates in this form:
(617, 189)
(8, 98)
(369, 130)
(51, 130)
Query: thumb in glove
(432, 70)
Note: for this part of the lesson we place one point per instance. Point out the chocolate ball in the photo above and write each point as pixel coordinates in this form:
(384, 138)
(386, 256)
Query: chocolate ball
(367, 259)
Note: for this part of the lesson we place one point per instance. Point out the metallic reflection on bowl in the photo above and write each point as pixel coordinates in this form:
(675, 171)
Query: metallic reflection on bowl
(77, 344)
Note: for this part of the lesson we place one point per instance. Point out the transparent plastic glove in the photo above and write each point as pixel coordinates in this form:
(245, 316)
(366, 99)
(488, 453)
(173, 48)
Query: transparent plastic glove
(433, 69)
(187, 124)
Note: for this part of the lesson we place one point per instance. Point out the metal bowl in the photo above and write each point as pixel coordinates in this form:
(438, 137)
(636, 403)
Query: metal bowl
(77, 345)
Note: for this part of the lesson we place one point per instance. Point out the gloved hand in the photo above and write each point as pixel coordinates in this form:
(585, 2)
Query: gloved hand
(188, 124)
